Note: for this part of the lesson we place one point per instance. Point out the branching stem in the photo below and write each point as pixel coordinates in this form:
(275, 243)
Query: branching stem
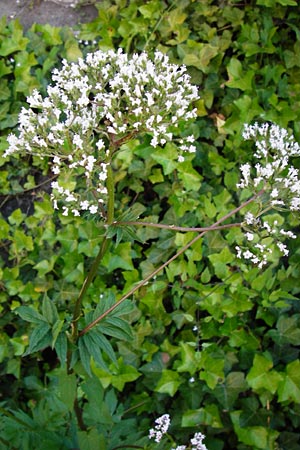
(174, 227)
(160, 268)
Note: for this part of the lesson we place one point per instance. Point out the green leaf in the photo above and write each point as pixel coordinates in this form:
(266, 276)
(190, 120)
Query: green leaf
(228, 392)
(66, 388)
(40, 338)
(288, 331)
(256, 437)
(212, 365)
(61, 347)
(56, 329)
(30, 315)
(167, 157)
(237, 78)
(207, 416)
(15, 43)
(190, 359)
(85, 356)
(289, 388)
(190, 177)
(22, 242)
(122, 374)
(45, 265)
(117, 327)
(50, 34)
(96, 343)
(90, 440)
(168, 383)
(261, 376)
(49, 310)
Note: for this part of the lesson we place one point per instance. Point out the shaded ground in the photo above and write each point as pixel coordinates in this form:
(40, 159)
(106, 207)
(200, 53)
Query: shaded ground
(46, 11)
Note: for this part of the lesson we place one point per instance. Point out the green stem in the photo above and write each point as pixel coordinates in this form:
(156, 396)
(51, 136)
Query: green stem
(103, 249)
(160, 268)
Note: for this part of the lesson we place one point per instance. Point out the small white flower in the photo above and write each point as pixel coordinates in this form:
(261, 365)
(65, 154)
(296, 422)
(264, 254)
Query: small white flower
(249, 236)
(93, 209)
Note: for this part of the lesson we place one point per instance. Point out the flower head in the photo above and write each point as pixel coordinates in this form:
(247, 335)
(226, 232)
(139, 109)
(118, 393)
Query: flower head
(93, 107)
(161, 428)
(197, 443)
(276, 185)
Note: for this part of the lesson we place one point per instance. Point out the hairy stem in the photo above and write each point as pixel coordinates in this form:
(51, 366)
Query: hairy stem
(213, 227)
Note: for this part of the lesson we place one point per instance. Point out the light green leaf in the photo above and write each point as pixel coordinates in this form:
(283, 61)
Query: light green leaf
(207, 416)
(261, 376)
(289, 388)
(168, 383)
(167, 157)
(190, 359)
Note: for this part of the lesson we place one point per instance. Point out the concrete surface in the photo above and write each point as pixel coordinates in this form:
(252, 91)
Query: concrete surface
(53, 12)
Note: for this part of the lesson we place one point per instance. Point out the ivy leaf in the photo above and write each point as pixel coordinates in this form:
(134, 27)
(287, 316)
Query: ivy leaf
(15, 43)
(168, 383)
(237, 78)
(190, 359)
(288, 331)
(212, 369)
(257, 436)
(227, 392)
(209, 416)
(289, 388)
(167, 157)
(123, 373)
(260, 375)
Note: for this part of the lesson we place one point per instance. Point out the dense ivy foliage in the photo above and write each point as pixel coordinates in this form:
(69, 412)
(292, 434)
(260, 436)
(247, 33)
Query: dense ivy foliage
(210, 341)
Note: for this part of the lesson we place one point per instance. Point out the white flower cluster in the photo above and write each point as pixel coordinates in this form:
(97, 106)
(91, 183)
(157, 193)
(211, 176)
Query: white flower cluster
(93, 107)
(161, 428)
(196, 443)
(277, 186)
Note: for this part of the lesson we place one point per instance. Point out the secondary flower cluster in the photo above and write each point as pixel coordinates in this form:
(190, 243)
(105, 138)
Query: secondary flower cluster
(275, 182)
(161, 428)
(93, 107)
(196, 443)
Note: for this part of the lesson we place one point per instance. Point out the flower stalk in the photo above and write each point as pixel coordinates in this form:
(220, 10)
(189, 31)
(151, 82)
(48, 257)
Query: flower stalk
(215, 226)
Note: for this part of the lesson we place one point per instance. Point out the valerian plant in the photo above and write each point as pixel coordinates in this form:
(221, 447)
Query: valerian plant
(93, 108)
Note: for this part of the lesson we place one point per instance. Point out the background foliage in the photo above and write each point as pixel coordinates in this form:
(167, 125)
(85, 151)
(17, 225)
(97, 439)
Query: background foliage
(212, 342)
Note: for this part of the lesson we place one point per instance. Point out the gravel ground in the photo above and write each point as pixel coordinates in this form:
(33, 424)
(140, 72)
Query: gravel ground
(56, 13)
